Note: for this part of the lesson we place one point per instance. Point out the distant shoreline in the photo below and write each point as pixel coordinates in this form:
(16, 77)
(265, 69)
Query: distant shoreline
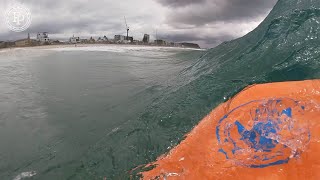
(53, 46)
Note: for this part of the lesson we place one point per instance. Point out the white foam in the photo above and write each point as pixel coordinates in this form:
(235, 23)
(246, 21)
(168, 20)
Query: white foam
(17, 53)
(132, 50)
(119, 48)
(25, 175)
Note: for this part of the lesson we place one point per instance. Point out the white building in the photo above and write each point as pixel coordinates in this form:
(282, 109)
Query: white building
(74, 40)
(43, 38)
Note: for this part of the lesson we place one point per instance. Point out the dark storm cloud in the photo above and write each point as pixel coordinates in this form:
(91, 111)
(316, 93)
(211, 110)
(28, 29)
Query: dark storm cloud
(212, 22)
(210, 11)
(239, 9)
(208, 22)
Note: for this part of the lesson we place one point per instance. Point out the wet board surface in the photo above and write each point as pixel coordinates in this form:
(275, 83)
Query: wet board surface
(268, 131)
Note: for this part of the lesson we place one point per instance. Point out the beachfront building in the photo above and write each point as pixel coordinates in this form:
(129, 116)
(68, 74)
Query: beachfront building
(172, 44)
(160, 42)
(74, 40)
(43, 38)
(190, 45)
(84, 41)
(99, 40)
(2, 44)
(123, 39)
(6, 44)
(130, 39)
(24, 42)
(104, 39)
(119, 38)
(146, 38)
(92, 40)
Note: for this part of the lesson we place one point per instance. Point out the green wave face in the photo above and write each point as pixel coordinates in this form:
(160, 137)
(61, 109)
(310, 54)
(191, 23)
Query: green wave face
(153, 118)
(284, 47)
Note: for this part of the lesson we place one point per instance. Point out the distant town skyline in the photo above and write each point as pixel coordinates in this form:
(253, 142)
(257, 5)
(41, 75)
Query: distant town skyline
(206, 22)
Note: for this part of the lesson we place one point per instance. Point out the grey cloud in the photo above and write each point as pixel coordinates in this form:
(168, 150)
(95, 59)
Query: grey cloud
(12, 36)
(211, 11)
(179, 3)
(176, 20)
(74, 16)
(187, 16)
(202, 40)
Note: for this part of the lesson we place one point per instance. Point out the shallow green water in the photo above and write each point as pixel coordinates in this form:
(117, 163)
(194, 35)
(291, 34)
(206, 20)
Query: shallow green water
(89, 114)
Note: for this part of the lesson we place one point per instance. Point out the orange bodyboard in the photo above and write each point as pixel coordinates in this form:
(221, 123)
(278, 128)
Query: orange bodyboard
(267, 131)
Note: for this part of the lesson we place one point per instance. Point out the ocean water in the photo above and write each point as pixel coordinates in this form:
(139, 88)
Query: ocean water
(95, 112)
(62, 107)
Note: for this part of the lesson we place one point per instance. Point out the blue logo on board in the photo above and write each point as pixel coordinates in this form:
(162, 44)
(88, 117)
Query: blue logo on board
(264, 133)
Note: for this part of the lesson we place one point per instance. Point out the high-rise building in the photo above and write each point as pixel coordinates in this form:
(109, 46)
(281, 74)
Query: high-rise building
(146, 38)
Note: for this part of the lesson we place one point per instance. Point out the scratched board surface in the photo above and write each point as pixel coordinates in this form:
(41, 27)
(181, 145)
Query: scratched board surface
(275, 135)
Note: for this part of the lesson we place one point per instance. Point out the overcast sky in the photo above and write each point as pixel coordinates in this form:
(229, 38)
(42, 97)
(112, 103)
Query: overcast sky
(207, 22)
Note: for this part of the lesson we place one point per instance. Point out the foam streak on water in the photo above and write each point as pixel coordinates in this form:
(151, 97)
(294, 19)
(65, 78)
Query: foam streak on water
(25, 175)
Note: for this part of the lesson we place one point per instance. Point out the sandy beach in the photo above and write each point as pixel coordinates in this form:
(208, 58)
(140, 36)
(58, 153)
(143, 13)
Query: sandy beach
(62, 46)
